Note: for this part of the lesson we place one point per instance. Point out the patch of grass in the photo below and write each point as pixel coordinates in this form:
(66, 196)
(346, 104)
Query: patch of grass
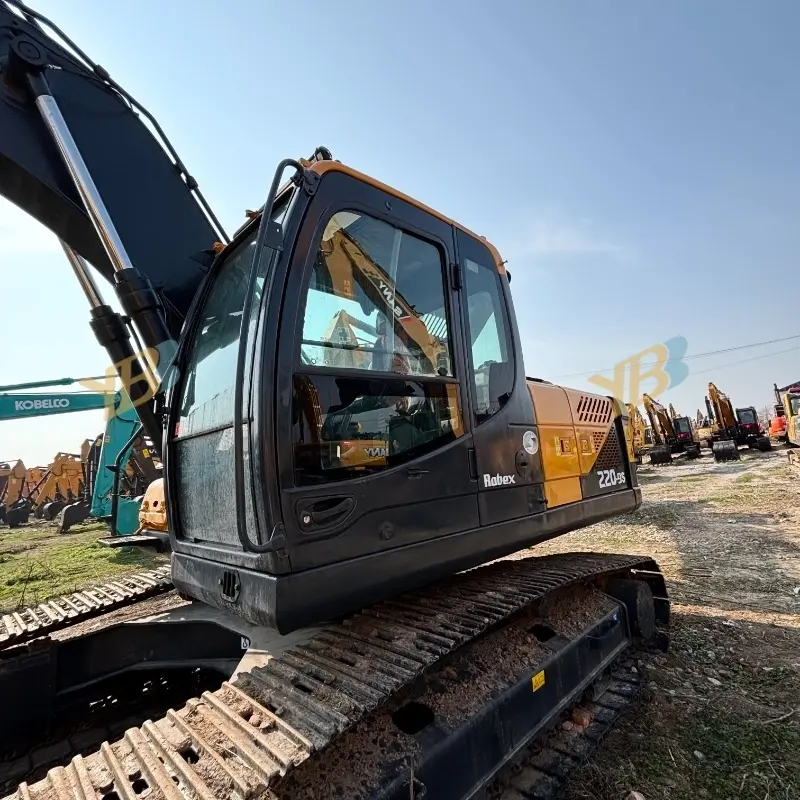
(742, 758)
(747, 477)
(691, 479)
(37, 563)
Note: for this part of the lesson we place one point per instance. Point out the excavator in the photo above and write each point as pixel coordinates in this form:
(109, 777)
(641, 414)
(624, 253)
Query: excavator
(785, 426)
(73, 486)
(673, 434)
(731, 427)
(684, 433)
(330, 607)
(642, 433)
(118, 469)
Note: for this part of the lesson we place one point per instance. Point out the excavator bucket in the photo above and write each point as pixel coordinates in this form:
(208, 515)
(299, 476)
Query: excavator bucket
(18, 514)
(52, 509)
(660, 454)
(725, 450)
(763, 443)
(71, 515)
(693, 451)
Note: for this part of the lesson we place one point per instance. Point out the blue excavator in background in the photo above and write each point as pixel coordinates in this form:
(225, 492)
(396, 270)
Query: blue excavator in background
(117, 467)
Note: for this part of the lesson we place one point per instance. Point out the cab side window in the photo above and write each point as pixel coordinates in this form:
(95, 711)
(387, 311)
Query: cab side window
(492, 355)
(374, 383)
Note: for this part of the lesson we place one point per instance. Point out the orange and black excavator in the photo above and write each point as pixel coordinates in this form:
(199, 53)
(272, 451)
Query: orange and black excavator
(732, 427)
(673, 434)
(348, 581)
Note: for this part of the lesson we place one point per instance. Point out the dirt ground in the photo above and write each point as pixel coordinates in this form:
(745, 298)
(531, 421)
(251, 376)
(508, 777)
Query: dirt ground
(721, 714)
(720, 717)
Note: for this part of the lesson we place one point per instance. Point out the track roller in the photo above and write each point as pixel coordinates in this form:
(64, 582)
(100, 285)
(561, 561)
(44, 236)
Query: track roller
(660, 454)
(692, 451)
(726, 450)
(763, 443)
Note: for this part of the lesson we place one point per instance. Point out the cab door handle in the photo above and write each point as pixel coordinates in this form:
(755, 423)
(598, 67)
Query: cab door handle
(416, 473)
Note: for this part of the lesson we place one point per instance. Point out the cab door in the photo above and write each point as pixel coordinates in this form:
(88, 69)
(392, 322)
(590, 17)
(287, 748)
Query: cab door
(373, 443)
(507, 457)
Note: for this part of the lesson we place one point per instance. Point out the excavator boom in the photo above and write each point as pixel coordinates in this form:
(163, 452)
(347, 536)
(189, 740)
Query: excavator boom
(143, 186)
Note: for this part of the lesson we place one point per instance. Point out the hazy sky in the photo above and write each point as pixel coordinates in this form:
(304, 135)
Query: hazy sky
(636, 162)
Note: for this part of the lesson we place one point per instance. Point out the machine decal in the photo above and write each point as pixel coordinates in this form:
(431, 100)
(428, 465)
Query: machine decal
(537, 681)
(530, 442)
(610, 477)
(498, 480)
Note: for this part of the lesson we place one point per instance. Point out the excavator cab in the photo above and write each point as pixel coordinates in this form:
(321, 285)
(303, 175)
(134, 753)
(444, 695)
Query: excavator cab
(305, 475)
(462, 459)
(685, 436)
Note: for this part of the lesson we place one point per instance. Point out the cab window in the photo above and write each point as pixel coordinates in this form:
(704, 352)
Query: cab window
(491, 353)
(374, 383)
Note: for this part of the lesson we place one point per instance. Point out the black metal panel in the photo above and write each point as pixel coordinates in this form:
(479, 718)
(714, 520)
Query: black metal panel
(161, 224)
(612, 472)
(304, 598)
(510, 720)
(35, 686)
(27, 689)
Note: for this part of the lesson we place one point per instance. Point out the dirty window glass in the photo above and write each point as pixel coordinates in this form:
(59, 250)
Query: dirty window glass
(208, 394)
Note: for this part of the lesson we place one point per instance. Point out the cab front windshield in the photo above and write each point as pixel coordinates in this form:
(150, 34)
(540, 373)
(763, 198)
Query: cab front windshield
(794, 404)
(682, 425)
(746, 416)
(208, 390)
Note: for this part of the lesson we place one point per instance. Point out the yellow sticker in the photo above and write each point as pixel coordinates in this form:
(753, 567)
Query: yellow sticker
(537, 681)
(145, 452)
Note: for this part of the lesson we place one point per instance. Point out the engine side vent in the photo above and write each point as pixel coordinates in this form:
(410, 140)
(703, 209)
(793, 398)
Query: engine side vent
(594, 410)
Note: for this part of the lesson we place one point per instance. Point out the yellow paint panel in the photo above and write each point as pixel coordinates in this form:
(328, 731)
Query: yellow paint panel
(537, 681)
(559, 450)
(562, 491)
(550, 404)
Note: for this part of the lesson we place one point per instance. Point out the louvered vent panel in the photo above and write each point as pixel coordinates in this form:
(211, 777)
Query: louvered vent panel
(594, 410)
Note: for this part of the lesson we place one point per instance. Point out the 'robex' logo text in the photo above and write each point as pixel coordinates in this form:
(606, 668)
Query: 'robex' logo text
(48, 402)
(497, 480)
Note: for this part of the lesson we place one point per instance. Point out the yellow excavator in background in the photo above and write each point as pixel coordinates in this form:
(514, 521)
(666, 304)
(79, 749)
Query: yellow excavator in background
(731, 427)
(642, 433)
(13, 480)
(785, 425)
(672, 435)
(685, 433)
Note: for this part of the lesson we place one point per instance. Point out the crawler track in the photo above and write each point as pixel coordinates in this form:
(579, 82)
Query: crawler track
(242, 739)
(29, 623)
(543, 771)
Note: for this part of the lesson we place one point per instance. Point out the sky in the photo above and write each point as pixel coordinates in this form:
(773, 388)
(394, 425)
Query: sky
(634, 161)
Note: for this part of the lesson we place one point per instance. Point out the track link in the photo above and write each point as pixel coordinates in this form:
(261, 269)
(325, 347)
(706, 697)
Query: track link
(245, 737)
(29, 623)
(544, 770)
